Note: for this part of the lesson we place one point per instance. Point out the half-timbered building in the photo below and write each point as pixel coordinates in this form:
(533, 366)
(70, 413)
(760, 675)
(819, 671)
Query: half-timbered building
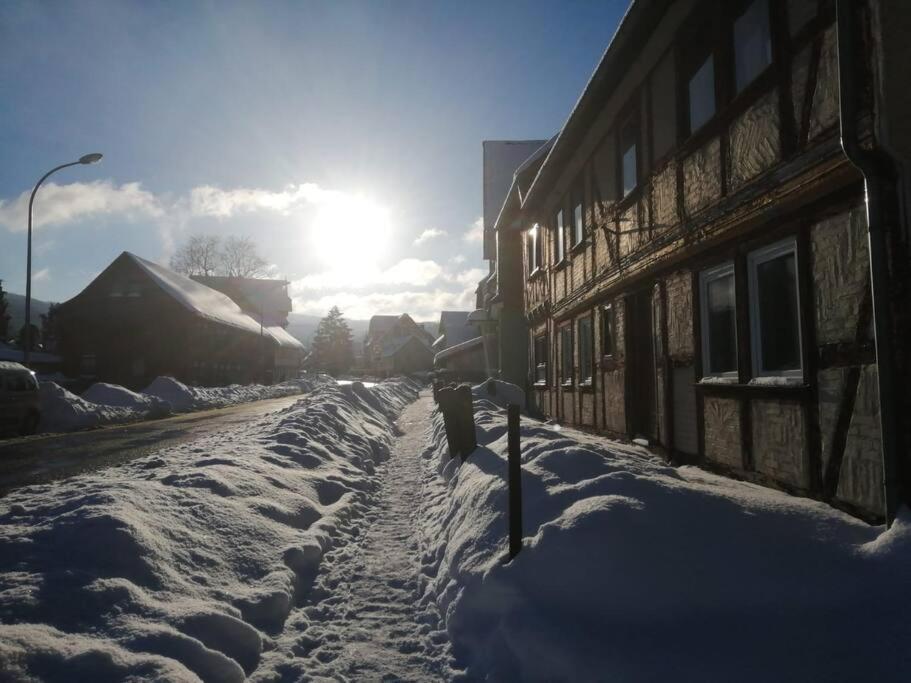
(716, 250)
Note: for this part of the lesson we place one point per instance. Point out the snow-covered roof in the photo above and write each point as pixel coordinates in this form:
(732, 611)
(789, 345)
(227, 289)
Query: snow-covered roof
(456, 328)
(393, 345)
(283, 337)
(205, 301)
(464, 347)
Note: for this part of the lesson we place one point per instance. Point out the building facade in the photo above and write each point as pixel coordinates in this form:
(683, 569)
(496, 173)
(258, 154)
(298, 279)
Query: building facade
(697, 245)
(397, 345)
(138, 320)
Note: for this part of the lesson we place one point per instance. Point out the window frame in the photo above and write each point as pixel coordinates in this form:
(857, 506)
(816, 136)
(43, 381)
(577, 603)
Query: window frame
(630, 118)
(753, 260)
(578, 206)
(566, 331)
(559, 236)
(608, 330)
(707, 276)
(533, 250)
(540, 360)
(590, 357)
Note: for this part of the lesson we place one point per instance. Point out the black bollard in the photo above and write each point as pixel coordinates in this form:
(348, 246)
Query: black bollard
(515, 482)
(447, 400)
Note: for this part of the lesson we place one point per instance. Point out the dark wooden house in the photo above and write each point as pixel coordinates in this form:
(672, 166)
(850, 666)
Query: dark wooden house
(138, 320)
(715, 246)
(396, 344)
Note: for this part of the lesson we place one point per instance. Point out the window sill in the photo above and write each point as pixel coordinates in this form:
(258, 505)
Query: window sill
(562, 263)
(536, 274)
(566, 386)
(777, 381)
(540, 385)
(719, 379)
(586, 386)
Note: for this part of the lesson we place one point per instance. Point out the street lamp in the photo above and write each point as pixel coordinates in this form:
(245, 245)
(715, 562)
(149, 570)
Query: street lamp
(86, 159)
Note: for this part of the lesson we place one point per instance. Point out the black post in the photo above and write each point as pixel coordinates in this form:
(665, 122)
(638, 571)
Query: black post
(447, 401)
(515, 482)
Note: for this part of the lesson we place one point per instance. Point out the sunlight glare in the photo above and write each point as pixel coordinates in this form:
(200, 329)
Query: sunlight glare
(351, 234)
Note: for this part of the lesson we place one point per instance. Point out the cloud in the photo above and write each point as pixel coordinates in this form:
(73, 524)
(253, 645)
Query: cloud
(42, 275)
(476, 232)
(207, 200)
(409, 271)
(424, 305)
(428, 235)
(57, 205)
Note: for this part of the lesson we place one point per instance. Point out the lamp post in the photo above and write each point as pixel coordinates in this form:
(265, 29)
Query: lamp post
(86, 159)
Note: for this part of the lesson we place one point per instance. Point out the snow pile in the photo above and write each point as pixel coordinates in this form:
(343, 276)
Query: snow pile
(185, 563)
(116, 395)
(62, 411)
(103, 404)
(632, 570)
(183, 398)
(499, 392)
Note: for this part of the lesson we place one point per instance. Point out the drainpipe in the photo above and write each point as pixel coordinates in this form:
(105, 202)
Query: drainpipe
(878, 172)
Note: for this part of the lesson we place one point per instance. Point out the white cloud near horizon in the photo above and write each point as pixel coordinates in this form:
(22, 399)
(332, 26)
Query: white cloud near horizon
(475, 232)
(427, 235)
(423, 305)
(75, 202)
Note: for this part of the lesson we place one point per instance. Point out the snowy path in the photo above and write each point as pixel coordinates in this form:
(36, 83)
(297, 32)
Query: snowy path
(363, 619)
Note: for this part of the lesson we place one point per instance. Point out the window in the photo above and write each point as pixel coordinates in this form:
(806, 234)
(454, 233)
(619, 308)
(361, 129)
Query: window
(566, 355)
(607, 330)
(629, 159)
(578, 215)
(752, 43)
(585, 351)
(541, 360)
(701, 94)
(719, 321)
(558, 236)
(774, 310)
(533, 249)
(538, 247)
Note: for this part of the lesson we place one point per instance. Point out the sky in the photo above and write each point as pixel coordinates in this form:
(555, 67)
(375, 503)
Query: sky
(343, 137)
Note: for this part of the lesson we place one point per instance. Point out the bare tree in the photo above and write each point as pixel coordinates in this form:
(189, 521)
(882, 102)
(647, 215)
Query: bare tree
(239, 258)
(199, 255)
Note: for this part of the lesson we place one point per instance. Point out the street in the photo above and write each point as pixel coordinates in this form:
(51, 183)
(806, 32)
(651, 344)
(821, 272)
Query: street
(49, 457)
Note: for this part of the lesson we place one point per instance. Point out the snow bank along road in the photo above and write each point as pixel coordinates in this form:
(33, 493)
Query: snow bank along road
(46, 458)
(280, 549)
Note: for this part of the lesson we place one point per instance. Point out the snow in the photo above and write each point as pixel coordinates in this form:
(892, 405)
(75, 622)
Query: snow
(62, 411)
(634, 570)
(500, 393)
(186, 564)
(115, 395)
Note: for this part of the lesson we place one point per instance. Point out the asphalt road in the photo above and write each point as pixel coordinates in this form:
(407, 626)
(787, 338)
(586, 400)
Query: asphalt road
(49, 457)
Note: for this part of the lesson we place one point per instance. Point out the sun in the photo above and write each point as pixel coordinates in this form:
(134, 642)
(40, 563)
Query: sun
(351, 234)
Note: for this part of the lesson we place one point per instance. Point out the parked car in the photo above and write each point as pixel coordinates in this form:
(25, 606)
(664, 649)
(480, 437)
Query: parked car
(20, 407)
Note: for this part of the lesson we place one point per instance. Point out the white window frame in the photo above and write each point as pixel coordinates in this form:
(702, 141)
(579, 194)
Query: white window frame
(754, 259)
(583, 380)
(540, 363)
(559, 226)
(578, 222)
(564, 380)
(705, 277)
(530, 238)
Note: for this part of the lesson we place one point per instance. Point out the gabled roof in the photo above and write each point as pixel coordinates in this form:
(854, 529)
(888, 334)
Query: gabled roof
(458, 349)
(456, 328)
(255, 296)
(393, 345)
(521, 183)
(205, 302)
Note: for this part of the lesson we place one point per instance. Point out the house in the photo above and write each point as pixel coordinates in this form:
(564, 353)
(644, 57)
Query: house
(716, 254)
(267, 302)
(500, 315)
(138, 320)
(396, 344)
(459, 348)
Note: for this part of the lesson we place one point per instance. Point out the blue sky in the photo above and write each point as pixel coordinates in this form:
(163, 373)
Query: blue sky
(316, 128)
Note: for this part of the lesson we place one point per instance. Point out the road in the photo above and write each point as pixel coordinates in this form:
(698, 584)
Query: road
(49, 457)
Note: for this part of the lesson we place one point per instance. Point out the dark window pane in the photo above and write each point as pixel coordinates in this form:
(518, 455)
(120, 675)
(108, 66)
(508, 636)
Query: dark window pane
(585, 349)
(629, 170)
(752, 43)
(541, 359)
(779, 333)
(722, 330)
(702, 94)
(607, 331)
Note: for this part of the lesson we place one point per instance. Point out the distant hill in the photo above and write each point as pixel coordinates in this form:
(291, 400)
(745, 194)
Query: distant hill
(303, 327)
(17, 311)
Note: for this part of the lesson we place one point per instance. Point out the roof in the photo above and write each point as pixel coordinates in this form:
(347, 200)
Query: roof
(640, 19)
(10, 365)
(501, 158)
(456, 328)
(521, 182)
(255, 296)
(458, 349)
(393, 345)
(206, 302)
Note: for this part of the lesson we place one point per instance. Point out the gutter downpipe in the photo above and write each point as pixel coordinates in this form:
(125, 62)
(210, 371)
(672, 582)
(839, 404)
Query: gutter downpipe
(878, 171)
